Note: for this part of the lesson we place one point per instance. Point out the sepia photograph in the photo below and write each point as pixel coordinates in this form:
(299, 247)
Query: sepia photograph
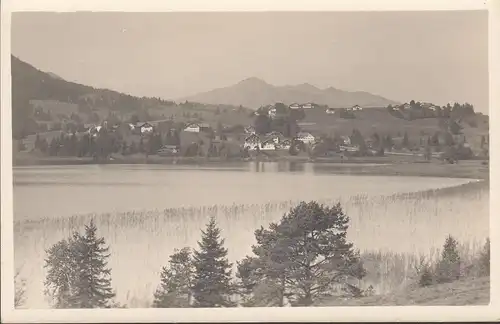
(232, 159)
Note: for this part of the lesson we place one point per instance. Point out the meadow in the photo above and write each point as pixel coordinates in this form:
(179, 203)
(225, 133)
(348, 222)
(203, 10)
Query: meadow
(392, 232)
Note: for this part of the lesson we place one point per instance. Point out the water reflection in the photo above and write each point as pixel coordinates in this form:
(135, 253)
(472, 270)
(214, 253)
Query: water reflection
(280, 166)
(305, 167)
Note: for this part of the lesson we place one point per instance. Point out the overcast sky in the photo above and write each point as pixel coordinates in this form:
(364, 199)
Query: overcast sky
(426, 56)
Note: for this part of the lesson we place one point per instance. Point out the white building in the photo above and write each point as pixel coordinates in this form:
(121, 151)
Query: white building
(307, 106)
(356, 108)
(94, 130)
(146, 128)
(306, 138)
(272, 112)
(268, 145)
(330, 111)
(193, 128)
(294, 106)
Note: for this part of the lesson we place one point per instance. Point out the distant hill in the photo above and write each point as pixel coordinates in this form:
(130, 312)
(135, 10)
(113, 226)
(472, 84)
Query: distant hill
(29, 83)
(254, 93)
(32, 88)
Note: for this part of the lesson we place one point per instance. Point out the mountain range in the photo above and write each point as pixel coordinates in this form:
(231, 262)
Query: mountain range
(254, 93)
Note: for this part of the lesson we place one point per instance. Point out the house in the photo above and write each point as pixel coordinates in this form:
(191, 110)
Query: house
(192, 128)
(268, 145)
(305, 137)
(406, 106)
(356, 108)
(252, 142)
(94, 130)
(204, 127)
(307, 105)
(168, 150)
(349, 109)
(284, 145)
(272, 112)
(330, 111)
(346, 140)
(145, 128)
(294, 106)
(349, 148)
(276, 137)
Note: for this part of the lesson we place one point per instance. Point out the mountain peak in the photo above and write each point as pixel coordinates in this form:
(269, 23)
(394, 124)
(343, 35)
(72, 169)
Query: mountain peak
(254, 92)
(307, 87)
(253, 80)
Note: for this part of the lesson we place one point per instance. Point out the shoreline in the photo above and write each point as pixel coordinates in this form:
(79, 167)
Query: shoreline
(381, 166)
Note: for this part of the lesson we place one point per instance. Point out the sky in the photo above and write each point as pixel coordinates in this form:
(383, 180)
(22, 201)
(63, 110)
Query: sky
(428, 56)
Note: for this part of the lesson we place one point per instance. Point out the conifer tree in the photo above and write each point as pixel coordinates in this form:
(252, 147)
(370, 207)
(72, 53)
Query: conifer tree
(212, 286)
(93, 282)
(448, 268)
(406, 141)
(61, 273)
(175, 289)
(77, 276)
(306, 255)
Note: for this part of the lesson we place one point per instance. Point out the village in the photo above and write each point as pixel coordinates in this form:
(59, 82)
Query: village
(276, 131)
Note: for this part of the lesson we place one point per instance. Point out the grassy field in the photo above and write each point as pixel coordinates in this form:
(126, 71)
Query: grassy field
(468, 291)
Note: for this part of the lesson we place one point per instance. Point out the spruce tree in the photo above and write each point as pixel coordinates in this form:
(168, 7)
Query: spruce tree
(77, 276)
(175, 289)
(212, 285)
(448, 268)
(93, 282)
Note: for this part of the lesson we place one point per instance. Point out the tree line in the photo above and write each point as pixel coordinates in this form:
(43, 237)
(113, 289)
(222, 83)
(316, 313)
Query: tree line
(418, 110)
(297, 261)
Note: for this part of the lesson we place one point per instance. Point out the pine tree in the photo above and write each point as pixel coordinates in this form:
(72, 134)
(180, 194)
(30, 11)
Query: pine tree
(175, 289)
(306, 255)
(212, 285)
(448, 268)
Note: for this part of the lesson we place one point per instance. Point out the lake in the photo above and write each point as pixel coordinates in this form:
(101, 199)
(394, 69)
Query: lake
(146, 211)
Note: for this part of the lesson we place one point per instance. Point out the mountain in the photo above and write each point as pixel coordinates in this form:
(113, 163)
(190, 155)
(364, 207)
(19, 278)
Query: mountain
(29, 84)
(254, 93)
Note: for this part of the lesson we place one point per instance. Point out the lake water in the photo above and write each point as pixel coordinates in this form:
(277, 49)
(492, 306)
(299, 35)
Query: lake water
(146, 211)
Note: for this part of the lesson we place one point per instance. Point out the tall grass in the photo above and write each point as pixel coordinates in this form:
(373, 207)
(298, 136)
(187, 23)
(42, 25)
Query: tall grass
(392, 232)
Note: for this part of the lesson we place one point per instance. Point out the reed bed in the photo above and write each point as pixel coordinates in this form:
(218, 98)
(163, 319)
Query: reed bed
(392, 232)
